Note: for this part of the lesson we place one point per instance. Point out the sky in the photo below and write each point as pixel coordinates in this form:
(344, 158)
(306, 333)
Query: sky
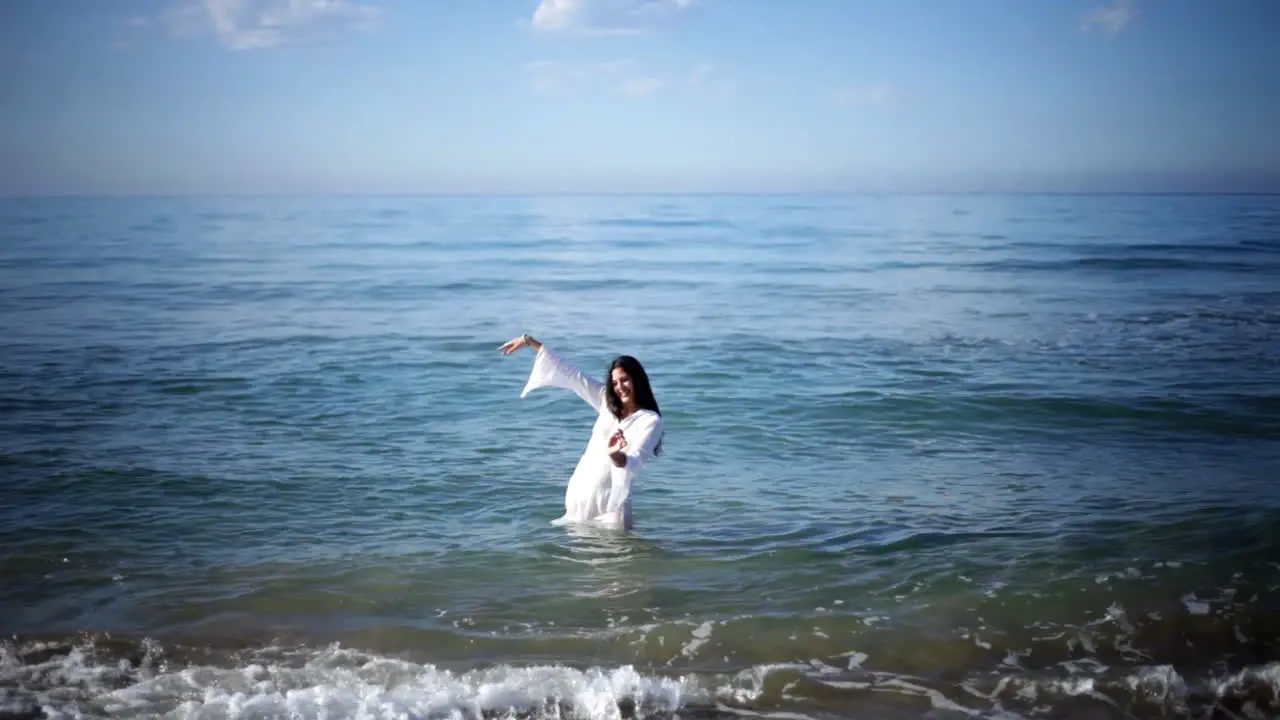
(549, 96)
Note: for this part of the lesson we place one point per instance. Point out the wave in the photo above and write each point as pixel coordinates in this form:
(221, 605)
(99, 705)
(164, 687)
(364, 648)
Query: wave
(1095, 245)
(1092, 263)
(113, 679)
(664, 224)
(1228, 415)
(96, 676)
(1132, 262)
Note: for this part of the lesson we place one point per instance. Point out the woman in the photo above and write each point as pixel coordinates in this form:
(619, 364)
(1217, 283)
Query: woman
(626, 434)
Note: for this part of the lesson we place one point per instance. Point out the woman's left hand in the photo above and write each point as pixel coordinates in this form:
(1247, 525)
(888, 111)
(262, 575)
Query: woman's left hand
(617, 442)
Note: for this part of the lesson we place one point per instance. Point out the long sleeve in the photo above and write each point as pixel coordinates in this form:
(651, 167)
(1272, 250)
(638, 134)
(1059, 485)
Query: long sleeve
(642, 437)
(550, 371)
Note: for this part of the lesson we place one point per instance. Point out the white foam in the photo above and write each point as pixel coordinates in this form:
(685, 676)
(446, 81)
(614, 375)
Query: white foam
(701, 635)
(823, 668)
(772, 715)
(936, 698)
(1117, 614)
(1161, 683)
(1013, 658)
(748, 685)
(335, 683)
(1268, 675)
(855, 658)
(1195, 606)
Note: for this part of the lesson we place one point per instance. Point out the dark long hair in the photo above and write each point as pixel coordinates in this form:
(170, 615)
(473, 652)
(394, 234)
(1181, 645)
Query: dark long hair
(640, 385)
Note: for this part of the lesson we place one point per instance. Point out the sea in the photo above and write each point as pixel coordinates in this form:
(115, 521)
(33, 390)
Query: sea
(925, 457)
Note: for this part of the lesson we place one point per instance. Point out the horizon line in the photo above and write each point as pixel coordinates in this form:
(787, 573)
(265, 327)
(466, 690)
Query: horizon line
(632, 193)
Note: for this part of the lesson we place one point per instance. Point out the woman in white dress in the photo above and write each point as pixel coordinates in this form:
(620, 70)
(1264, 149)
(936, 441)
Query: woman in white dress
(626, 435)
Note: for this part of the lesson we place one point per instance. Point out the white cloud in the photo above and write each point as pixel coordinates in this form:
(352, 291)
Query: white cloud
(1112, 18)
(555, 14)
(606, 17)
(247, 24)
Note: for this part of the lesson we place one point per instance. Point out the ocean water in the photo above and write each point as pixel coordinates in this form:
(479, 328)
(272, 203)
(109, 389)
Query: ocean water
(925, 457)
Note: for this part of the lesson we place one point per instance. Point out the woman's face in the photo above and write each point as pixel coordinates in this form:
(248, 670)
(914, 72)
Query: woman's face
(622, 386)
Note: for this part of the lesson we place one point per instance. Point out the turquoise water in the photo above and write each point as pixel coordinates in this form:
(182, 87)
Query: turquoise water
(925, 457)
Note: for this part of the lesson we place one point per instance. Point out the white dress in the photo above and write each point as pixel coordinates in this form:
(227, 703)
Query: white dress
(599, 492)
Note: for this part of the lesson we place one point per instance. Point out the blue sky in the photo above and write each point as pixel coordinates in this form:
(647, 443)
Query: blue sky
(424, 96)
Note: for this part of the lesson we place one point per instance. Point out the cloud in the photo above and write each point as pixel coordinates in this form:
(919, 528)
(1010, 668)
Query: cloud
(606, 17)
(555, 14)
(248, 24)
(1112, 18)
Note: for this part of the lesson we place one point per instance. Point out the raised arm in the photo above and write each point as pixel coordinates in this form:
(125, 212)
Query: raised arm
(550, 371)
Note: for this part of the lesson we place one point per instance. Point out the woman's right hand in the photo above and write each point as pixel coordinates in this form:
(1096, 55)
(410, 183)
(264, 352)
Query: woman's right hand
(516, 343)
